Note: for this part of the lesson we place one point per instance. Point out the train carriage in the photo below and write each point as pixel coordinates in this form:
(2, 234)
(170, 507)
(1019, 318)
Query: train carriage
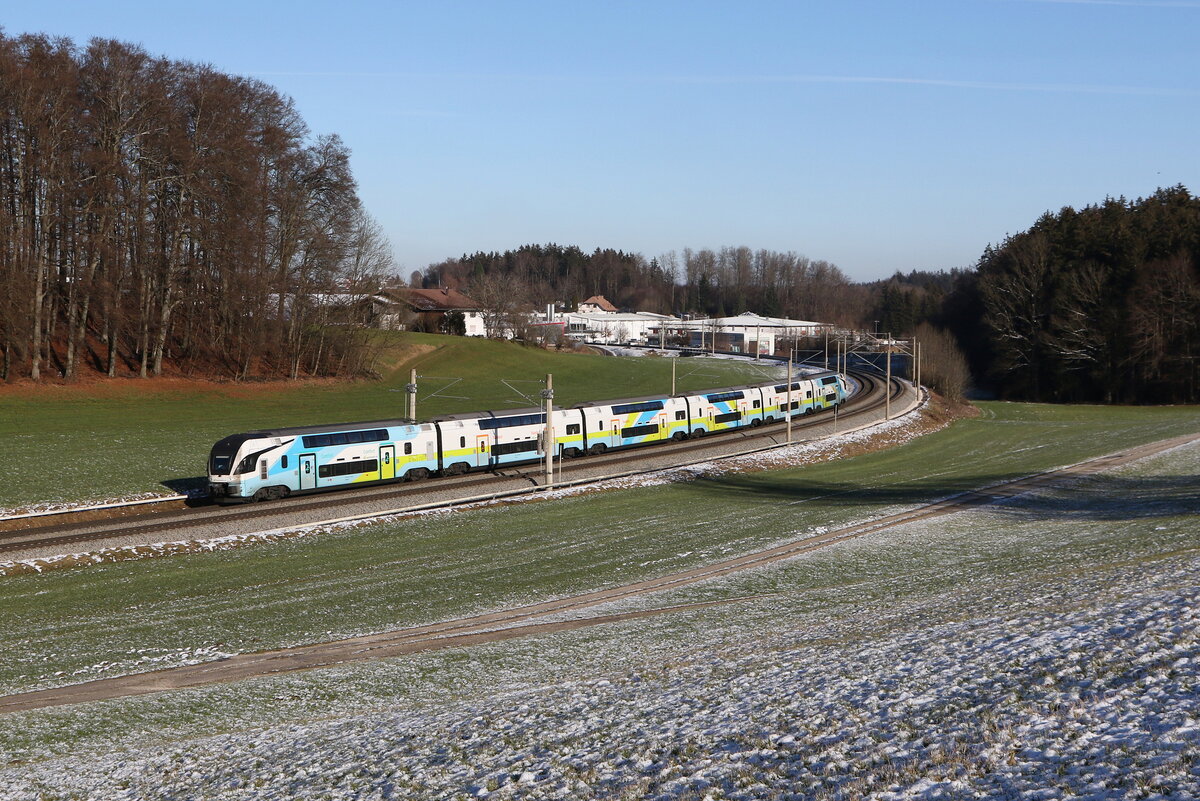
(725, 410)
(632, 421)
(493, 439)
(278, 462)
(829, 390)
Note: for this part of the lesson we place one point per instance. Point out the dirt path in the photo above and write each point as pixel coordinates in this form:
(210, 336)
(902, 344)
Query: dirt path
(529, 620)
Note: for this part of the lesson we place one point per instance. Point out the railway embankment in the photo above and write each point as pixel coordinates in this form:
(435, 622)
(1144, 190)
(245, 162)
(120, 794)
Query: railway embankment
(205, 529)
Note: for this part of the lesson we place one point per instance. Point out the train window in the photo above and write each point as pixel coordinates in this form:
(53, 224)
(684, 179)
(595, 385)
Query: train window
(408, 447)
(348, 468)
(757, 404)
(728, 417)
(283, 462)
(639, 431)
(681, 415)
(630, 408)
(507, 422)
(262, 468)
(572, 429)
(462, 442)
(515, 447)
(599, 425)
(345, 438)
(808, 394)
(726, 396)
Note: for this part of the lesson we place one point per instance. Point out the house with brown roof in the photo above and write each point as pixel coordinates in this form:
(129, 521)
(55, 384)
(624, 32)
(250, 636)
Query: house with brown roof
(429, 310)
(596, 304)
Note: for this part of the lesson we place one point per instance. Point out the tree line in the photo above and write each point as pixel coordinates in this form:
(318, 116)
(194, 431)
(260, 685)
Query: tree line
(153, 209)
(1100, 304)
(1096, 305)
(700, 282)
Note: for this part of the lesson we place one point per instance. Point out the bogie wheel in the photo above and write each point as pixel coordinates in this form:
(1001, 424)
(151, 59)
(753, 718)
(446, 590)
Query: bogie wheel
(679, 436)
(697, 433)
(457, 469)
(262, 495)
(416, 474)
(755, 423)
(597, 449)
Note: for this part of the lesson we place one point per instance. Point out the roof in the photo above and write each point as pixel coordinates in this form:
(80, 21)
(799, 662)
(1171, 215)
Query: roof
(432, 299)
(752, 320)
(618, 317)
(601, 301)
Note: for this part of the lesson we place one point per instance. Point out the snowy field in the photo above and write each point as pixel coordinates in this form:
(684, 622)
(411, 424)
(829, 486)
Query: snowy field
(1042, 648)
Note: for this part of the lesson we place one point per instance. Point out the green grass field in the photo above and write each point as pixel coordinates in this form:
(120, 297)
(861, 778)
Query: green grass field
(112, 619)
(65, 444)
(1081, 541)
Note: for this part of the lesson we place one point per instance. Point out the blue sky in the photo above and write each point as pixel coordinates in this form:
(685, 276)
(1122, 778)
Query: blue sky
(880, 136)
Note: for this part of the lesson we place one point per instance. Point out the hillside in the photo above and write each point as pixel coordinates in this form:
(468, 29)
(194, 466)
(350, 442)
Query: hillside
(1044, 641)
(117, 437)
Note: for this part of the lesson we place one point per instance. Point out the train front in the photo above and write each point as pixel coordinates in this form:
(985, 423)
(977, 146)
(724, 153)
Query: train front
(230, 463)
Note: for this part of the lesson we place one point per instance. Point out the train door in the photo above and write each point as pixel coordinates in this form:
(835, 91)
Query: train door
(481, 450)
(387, 462)
(308, 471)
(616, 433)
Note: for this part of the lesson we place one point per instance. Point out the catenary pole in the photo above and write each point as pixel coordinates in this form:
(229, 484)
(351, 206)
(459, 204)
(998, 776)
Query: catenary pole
(412, 395)
(887, 353)
(788, 412)
(548, 394)
(919, 364)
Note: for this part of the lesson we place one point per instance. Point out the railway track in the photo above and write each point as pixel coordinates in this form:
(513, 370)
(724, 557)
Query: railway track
(62, 532)
(534, 618)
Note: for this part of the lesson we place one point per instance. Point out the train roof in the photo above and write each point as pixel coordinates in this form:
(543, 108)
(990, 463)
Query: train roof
(619, 401)
(446, 418)
(329, 428)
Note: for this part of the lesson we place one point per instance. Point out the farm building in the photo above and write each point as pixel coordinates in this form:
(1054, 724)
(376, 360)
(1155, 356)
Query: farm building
(428, 310)
(596, 304)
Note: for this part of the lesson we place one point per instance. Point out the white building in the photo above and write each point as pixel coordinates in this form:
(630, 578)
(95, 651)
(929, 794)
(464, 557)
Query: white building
(613, 327)
(746, 333)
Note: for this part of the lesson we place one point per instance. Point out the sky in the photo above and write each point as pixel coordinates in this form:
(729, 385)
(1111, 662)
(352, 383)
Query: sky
(879, 136)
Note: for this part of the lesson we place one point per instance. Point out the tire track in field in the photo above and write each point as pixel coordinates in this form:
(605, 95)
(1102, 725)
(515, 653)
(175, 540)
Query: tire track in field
(529, 620)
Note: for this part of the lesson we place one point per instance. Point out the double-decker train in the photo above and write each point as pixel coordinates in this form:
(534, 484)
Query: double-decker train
(275, 463)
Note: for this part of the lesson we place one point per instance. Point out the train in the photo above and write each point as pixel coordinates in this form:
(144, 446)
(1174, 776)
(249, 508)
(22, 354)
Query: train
(274, 463)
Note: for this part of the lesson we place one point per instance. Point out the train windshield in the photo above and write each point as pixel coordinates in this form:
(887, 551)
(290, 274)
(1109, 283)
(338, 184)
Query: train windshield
(221, 458)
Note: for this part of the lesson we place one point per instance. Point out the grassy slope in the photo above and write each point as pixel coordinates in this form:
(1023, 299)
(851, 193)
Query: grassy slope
(977, 563)
(443, 565)
(80, 443)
